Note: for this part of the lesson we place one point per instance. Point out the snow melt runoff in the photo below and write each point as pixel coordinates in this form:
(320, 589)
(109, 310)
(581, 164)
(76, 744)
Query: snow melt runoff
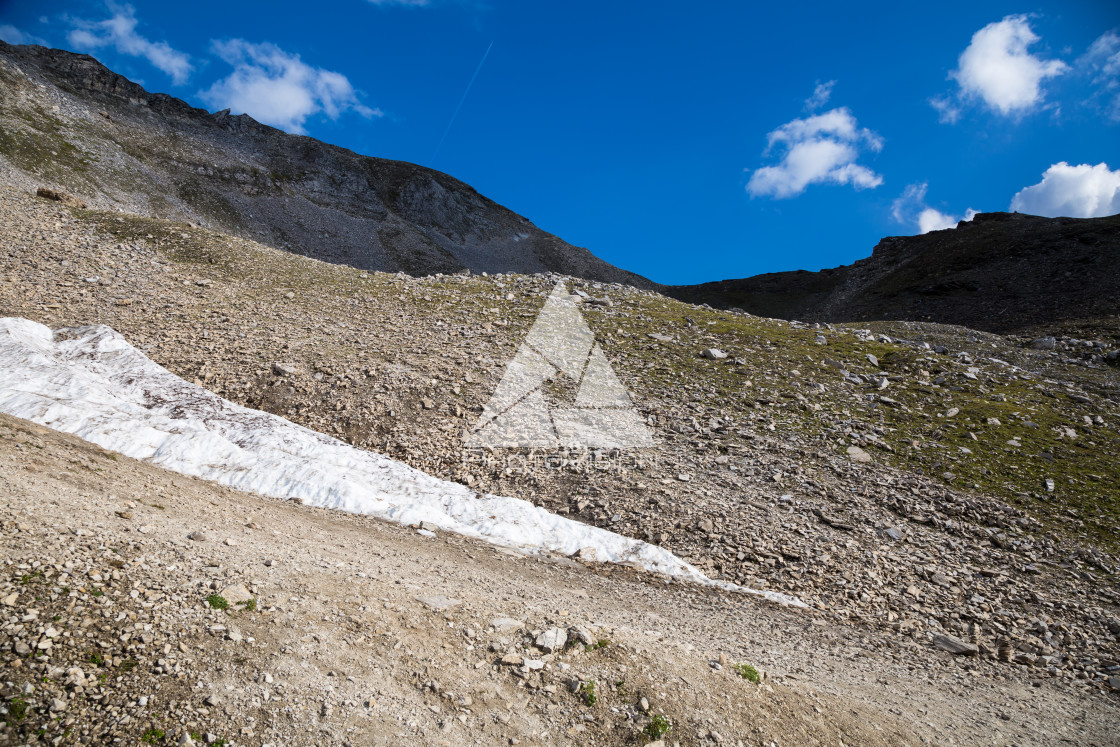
(89, 381)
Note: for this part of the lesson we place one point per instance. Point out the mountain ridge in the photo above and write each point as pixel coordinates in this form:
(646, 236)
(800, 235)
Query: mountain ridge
(1000, 272)
(69, 120)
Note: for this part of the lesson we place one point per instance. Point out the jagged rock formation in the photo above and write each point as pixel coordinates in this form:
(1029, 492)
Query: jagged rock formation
(1001, 272)
(68, 121)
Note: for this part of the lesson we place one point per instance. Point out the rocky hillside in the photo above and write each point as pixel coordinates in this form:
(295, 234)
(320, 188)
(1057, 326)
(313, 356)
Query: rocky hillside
(944, 500)
(1001, 272)
(66, 121)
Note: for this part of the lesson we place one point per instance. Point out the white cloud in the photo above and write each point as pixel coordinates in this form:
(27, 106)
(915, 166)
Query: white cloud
(1081, 191)
(934, 220)
(1102, 64)
(910, 208)
(948, 110)
(119, 32)
(821, 149)
(12, 35)
(820, 97)
(997, 68)
(278, 88)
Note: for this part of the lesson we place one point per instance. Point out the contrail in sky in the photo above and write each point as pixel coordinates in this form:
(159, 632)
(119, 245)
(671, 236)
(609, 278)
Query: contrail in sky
(461, 100)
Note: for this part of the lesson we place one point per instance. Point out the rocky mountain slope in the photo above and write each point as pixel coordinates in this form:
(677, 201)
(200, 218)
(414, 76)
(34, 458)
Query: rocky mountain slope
(1000, 272)
(923, 488)
(66, 121)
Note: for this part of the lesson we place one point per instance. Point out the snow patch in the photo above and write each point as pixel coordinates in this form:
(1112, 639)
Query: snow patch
(89, 381)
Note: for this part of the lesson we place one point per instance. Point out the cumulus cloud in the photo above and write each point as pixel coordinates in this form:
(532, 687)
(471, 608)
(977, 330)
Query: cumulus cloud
(910, 208)
(12, 35)
(278, 88)
(821, 149)
(998, 69)
(119, 33)
(1102, 64)
(1081, 191)
(820, 97)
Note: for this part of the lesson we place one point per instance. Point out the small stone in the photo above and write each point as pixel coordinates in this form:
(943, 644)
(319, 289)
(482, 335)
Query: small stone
(197, 536)
(512, 660)
(10, 600)
(952, 411)
(955, 645)
(586, 555)
(58, 704)
(859, 455)
(236, 594)
(1049, 485)
(895, 533)
(284, 369)
(582, 635)
(713, 354)
(439, 602)
(643, 705)
(503, 624)
(872, 360)
(185, 740)
(551, 640)
(212, 700)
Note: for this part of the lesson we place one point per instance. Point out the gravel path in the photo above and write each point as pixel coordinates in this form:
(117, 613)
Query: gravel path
(363, 632)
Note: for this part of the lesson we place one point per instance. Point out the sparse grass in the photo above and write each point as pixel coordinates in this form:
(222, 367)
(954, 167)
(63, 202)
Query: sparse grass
(153, 735)
(587, 692)
(747, 672)
(17, 709)
(218, 602)
(657, 727)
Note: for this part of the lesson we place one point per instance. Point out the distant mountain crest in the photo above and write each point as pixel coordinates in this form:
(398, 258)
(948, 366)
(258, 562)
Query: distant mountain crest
(67, 121)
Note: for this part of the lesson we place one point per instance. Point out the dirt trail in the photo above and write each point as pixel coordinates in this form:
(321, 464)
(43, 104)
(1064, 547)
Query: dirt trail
(369, 633)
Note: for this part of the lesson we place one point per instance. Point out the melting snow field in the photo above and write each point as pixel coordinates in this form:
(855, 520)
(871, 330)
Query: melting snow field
(89, 381)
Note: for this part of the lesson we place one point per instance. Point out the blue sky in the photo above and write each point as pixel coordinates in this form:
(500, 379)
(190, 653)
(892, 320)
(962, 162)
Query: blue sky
(684, 141)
